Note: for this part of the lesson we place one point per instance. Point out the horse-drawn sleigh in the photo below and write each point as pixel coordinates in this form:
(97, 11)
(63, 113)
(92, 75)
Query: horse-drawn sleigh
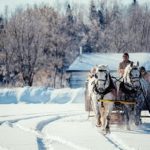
(116, 100)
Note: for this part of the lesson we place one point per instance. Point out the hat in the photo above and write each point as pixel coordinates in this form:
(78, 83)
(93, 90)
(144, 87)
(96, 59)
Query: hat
(142, 68)
(126, 54)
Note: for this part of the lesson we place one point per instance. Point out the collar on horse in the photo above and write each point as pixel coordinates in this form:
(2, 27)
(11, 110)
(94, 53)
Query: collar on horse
(129, 89)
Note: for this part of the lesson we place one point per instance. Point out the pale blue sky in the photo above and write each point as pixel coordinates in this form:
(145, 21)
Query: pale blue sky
(12, 4)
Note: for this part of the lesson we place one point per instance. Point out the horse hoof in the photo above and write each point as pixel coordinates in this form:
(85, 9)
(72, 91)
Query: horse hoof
(128, 128)
(137, 123)
(104, 132)
(107, 131)
(98, 125)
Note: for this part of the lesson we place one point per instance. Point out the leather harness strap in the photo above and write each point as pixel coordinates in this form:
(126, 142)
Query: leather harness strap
(130, 102)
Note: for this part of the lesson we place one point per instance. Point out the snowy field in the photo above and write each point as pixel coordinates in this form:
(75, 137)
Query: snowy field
(59, 123)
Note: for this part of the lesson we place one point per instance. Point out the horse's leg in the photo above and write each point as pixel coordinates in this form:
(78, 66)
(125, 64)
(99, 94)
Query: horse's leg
(126, 110)
(98, 115)
(110, 107)
(95, 107)
(108, 124)
(106, 113)
(102, 113)
(132, 114)
(138, 108)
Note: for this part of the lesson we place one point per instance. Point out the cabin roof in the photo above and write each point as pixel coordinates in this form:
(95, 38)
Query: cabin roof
(86, 61)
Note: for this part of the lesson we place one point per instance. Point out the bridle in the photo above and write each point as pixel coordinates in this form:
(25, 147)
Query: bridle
(102, 80)
(109, 88)
(129, 87)
(132, 78)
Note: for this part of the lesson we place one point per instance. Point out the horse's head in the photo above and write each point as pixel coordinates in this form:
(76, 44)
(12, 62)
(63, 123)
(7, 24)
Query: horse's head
(102, 77)
(132, 75)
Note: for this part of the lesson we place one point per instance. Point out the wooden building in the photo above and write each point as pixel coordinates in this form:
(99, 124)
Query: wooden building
(79, 69)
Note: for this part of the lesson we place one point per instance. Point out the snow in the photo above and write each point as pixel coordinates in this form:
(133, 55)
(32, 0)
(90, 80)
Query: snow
(41, 118)
(86, 61)
(41, 95)
(66, 127)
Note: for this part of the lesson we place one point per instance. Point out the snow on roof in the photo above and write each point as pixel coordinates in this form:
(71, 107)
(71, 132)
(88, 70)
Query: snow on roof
(86, 61)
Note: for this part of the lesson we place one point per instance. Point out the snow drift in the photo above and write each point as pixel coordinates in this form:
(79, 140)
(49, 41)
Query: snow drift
(41, 95)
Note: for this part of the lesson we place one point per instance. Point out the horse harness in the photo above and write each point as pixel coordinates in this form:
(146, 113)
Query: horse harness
(109, 89)
(129, 90)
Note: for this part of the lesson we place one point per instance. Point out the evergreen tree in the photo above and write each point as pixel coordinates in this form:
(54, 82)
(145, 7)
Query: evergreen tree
(134, 2)
(69, 14)
(1, 32)
(93, 11)
(1, 23)
(101, 19)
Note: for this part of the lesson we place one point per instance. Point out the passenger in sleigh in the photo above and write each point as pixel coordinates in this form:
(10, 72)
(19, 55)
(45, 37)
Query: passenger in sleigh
(146, 77)
(122, 65)
(144, 74)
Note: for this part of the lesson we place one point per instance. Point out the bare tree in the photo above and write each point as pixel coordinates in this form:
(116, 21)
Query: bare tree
(25, 42)
(40, 37)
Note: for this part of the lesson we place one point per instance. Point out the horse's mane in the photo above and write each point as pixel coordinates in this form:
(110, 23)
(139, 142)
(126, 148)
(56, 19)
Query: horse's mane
(128, 68)
(126, 71)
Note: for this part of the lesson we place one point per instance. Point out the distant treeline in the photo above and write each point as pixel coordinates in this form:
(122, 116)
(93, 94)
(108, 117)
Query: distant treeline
(40, 38)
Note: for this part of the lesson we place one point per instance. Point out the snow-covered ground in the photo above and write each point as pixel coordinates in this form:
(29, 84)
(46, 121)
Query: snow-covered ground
(41, 95)
(57, 125)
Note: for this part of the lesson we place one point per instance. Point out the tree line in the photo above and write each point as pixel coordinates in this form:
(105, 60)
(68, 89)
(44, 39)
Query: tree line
(40, 37)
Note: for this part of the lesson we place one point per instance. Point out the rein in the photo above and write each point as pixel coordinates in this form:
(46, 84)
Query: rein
(117, 79)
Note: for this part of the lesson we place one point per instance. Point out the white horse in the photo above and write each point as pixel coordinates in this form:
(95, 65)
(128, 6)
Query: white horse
(133, 88)
(101, 87)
